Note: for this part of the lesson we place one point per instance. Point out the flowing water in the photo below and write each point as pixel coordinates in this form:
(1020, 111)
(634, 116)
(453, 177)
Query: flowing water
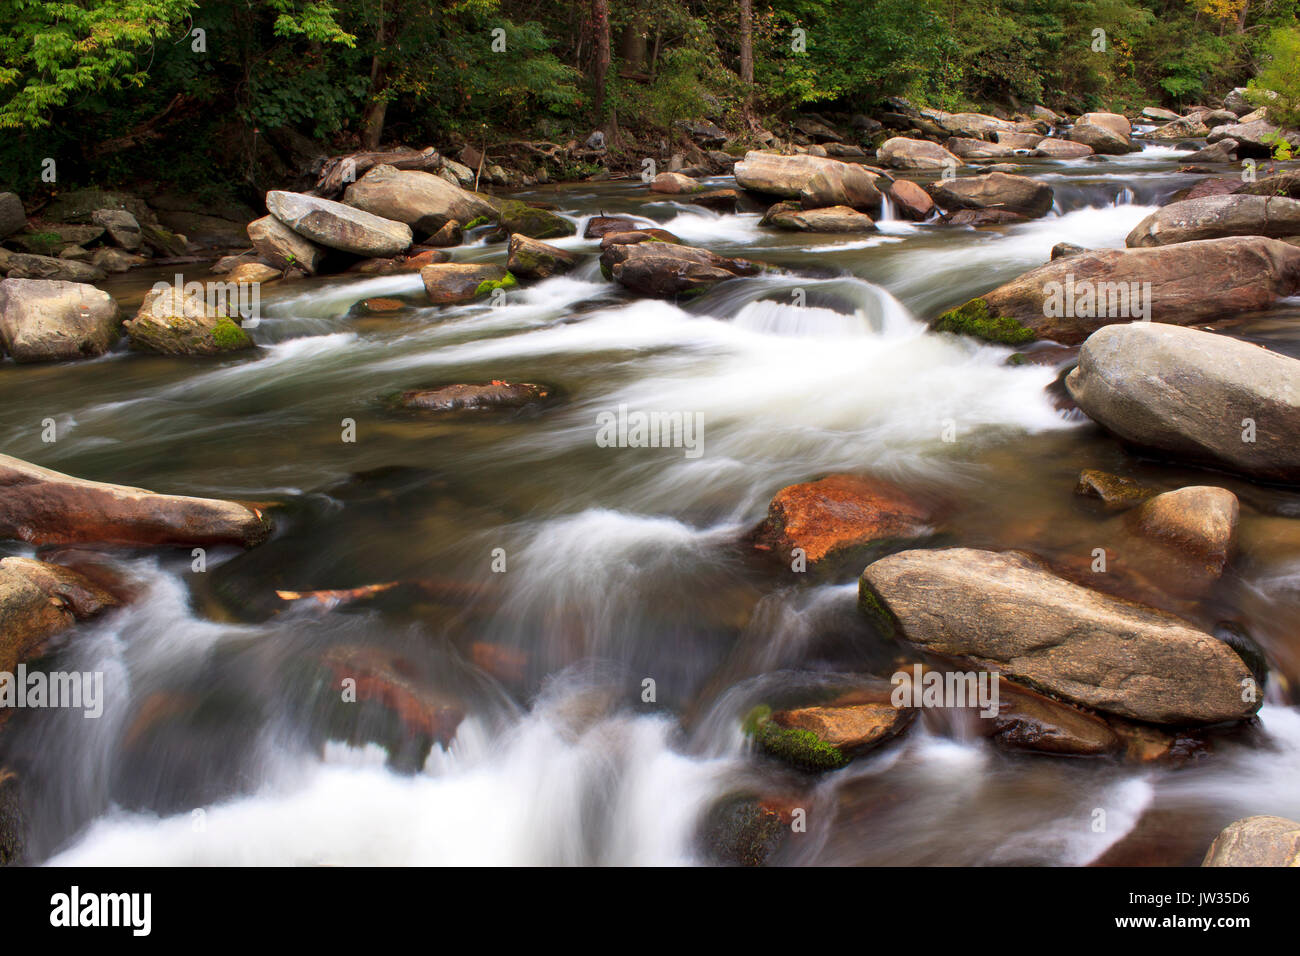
(224, 740)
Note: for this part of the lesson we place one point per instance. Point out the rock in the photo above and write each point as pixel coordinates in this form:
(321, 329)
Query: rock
(1191, 282)
(1006, 612)
(254, 272)
(23, 265)
(788, 216)
(1054, 148)
(703, 131)
(665, 269)
(451, 283)
(903, 153)
(1222, 151)
(44, 320)
(1032, 722)
(1159, 113)
(226, 263)
(813, 180)
(163, 242)
(1250, 137)
(596, 140)
(1017, 194)
(1206, 187)
(1101, 139)
(1116, 493)
(719, 200)
(423, 201)
(1018, 141)
(338, 226)
(845, 151)
(600, 226)
(1236, 102)
(116, 260)
(637, 235)
(1044, 114)
(49, 239)
(1115, 122)
(1185, 127)
(968, 125)
(531, 259)
(37, 601)
(44, 507)
(172, 323)
(835, 517)
(12, 215)
(674, 184)
(80, 205)
(977, 148)
(1200, 520)
(1063, 250)
(1214, 118)
(742, 830)
(516, 216)
(1213, 217)
(457, 173)
(399, 264)
(1256, 841)
(283, 248)
(78, 254)
(1285, 183)
(827, 737)
(910, 199)
(121, 227)
(1188, 393)
(449, 233)
(450, 398)
(983, 217)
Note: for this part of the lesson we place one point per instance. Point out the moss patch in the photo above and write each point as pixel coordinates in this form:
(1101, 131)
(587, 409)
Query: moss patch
(477, 221)
(974, 319)
(487, 285)
(799, 748)
(874, 609)
(227, 335)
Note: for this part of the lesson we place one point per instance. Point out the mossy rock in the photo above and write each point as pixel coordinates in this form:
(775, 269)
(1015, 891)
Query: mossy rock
(518, 216)
(487, 286)
(740, 831)
(801, 749)
(974, 319)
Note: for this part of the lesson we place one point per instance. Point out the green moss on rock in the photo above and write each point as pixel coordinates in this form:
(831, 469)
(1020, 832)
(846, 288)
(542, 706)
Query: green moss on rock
(227, 335)
(974, 319)
(875, 610)
(799, 748)
(487, 285)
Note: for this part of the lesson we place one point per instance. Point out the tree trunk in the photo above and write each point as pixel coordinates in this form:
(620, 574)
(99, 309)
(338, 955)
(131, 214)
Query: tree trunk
(600, 27)
(747, 42)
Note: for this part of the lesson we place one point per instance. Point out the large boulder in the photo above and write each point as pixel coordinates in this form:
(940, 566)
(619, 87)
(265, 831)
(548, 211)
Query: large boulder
(665, 269)
(1053, 147)
(1005, 611)
(813, 180)
(532, 259)
(1185, 127)
(969, 125)
(43, 320)
(517, 216)
(1223, 151)
(838, 516)
(903, 153)
(788, 216)
(12, 215)
(121, 227)
(451, 283)
(1193, 395)
(1189, 282)
(1236, 102)
(172, 323)
(423, 201)
(1018, 194)
(1212, 217)
(44, 507)
(339, 226)
(1018, 140)
(910, 199)
(1159, 114)
(1256, 841)
(1255, 138)
(37, 601)
(283, 248)
(675, 184)
(1117, 123)
(978, 148)
(1101, 139)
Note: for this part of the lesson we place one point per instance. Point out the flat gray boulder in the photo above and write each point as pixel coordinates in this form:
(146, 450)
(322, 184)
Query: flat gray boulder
(1006, 612)
(339, 226)
(1193, 395)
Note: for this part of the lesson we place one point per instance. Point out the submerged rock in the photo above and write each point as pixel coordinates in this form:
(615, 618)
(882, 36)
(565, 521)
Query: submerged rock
(1005, 612)
(1116, 492)
(45, 320)
(664, 269)
(1199, 520)
(44, 507)
(1194, 395)
(448, 398)
(837, 515)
